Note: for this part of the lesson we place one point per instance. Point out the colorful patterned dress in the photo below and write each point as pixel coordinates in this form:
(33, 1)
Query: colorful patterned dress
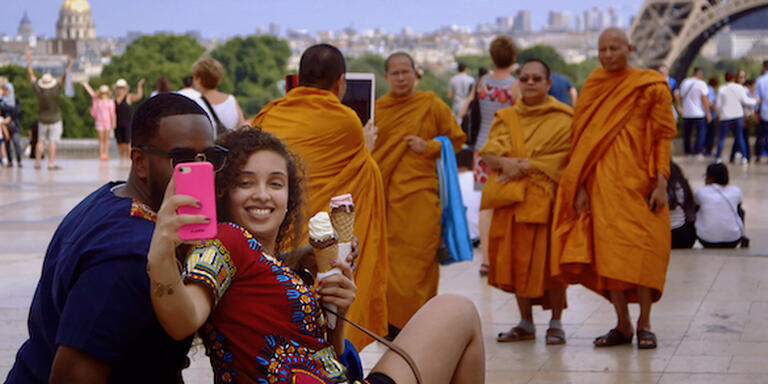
(266, 326)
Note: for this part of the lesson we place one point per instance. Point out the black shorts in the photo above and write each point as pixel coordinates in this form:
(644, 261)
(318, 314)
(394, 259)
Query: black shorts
(123, 134)
(379, 378)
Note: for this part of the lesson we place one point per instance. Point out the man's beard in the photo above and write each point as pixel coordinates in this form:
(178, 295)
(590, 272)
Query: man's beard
(157, 187)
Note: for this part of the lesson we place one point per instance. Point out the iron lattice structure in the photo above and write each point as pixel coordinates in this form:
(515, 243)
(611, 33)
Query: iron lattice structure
(671, 32)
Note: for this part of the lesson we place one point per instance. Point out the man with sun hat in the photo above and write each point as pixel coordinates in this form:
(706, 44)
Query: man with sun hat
(47, 90)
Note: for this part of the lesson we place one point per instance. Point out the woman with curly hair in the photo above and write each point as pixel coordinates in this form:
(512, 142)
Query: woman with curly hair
(258, 318)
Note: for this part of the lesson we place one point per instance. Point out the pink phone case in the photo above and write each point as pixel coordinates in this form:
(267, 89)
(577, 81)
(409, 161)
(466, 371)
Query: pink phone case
(196, 180)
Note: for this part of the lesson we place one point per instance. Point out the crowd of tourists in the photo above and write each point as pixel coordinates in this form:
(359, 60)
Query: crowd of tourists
(121, 295)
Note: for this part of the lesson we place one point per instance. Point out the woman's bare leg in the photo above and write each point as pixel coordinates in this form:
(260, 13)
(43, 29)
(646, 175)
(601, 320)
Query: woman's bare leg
(445, 340)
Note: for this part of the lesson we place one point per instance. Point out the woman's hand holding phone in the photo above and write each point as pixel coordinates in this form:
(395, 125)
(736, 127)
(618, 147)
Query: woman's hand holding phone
(166, 237)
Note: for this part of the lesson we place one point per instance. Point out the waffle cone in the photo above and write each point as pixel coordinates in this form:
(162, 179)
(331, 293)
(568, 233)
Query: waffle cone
(323, 257)
(344, 224)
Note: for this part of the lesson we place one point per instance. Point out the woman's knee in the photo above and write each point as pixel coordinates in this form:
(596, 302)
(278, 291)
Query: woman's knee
(459, 308)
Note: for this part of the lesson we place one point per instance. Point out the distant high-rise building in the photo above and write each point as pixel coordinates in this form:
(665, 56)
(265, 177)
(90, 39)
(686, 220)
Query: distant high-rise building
(615, 19)
(604, 18)
(560, 21)
(274, 29)
(590, 19)
(578, 23)
(259, 31)
(505, 24)
(523, 21)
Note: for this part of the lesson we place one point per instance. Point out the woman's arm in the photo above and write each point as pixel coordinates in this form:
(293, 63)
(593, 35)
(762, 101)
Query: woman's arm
(134, 97)
(180, 308)
(88, 88)
(338, 290)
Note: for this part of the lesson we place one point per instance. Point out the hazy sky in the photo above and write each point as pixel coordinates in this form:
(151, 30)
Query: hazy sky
(231, 17)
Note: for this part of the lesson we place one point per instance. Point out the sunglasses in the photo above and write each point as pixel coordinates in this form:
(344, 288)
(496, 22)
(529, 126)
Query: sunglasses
(536, 79)
(216, 155)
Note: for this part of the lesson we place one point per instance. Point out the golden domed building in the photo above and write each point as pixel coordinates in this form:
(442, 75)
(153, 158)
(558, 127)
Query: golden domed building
(75, 21)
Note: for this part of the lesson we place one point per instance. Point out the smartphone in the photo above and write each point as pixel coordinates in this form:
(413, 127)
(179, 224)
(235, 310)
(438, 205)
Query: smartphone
(196, 179)
(291, 82)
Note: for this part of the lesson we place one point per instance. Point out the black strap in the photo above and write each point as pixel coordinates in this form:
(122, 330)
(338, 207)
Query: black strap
(392, 346)
(220, 128)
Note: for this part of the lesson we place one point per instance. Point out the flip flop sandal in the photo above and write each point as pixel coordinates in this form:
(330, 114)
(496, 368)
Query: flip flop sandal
(649, 338)
(555, 336)
(515, 334)
(613, 337)
(483, 270)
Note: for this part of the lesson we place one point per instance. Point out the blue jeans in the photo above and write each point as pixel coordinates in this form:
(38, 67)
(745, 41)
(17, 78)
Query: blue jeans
(701, 134)
(737, 127)
(761, 141)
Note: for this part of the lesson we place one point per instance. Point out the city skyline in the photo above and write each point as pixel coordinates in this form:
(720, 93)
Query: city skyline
(116, 18)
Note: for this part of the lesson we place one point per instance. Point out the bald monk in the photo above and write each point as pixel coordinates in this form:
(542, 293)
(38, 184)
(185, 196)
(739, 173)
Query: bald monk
(328, 136)
(527, 148)
(611, 222)
(408, 121)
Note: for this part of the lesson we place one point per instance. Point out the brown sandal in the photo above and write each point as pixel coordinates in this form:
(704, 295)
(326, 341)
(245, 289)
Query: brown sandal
(613, 337)
(649, 338)
(555, 336)
(515, 334)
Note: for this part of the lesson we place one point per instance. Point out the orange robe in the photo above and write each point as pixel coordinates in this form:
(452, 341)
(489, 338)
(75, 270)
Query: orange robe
(328, 136)
(622, 130)
(412, 195)
(518, 243)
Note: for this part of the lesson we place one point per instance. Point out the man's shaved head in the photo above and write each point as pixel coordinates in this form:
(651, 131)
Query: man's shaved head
(614, 49)
(399, 54)
(320, 66)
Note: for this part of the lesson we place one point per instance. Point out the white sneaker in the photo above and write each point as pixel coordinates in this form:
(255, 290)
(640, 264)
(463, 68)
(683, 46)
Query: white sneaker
(744, 161)
(738, 155)
(700, 156)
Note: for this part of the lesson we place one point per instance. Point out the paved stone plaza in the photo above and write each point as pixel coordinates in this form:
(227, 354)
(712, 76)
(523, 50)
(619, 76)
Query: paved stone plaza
(712, 322)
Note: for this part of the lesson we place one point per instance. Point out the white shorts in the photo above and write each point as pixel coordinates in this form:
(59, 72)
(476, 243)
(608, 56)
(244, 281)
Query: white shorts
(50, 132)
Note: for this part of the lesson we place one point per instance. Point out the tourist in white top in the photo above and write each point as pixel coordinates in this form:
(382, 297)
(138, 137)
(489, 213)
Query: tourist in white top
(194, 94)
(207, 74)
(761, 93)
(717, 223)
(693, 91)
(459, 89)
(731, 98)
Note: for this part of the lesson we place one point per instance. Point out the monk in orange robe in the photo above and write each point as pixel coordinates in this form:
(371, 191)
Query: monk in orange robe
(328, 136)
(407, 122)
(527, 148)
(611, 222)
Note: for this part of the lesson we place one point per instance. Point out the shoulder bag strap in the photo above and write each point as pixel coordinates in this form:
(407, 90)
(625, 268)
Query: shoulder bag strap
(735, 212)
(213, 112)
(392, 346)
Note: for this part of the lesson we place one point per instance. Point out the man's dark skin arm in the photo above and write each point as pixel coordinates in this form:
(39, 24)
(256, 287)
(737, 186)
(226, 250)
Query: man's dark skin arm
(71, 365)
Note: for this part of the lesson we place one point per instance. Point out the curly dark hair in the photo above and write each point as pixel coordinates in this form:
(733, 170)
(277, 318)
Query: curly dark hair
(244, 142)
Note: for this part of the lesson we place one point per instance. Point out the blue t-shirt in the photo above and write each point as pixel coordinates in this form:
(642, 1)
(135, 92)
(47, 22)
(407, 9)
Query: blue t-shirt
(560, 87)
(94, 295)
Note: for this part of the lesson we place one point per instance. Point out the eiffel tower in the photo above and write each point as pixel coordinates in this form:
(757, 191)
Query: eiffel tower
(671, 32)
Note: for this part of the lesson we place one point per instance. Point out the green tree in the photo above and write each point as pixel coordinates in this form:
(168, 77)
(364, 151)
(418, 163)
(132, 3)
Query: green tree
(150, 57)
(474, 62)
(254, 65)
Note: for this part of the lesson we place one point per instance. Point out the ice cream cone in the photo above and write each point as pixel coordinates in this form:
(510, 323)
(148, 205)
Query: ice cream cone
(344, 223)
(324, 255)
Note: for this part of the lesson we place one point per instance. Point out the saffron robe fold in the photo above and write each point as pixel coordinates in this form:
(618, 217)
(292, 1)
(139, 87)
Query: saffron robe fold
(412, 196)
(518, 244)
(622, 130)
(328, 136)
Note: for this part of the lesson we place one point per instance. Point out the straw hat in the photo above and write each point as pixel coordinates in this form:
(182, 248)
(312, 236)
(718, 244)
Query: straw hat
(47, 81)
(103, 89)
(121, 83)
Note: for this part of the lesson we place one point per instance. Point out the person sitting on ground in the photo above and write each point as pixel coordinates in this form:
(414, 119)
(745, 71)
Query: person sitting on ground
(719, 220)
(207, 74)
(682, 209)
(259, 319)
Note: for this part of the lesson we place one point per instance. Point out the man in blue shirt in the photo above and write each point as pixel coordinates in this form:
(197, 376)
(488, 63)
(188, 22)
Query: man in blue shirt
(563, 90)
(91, 319)
(761, 93)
